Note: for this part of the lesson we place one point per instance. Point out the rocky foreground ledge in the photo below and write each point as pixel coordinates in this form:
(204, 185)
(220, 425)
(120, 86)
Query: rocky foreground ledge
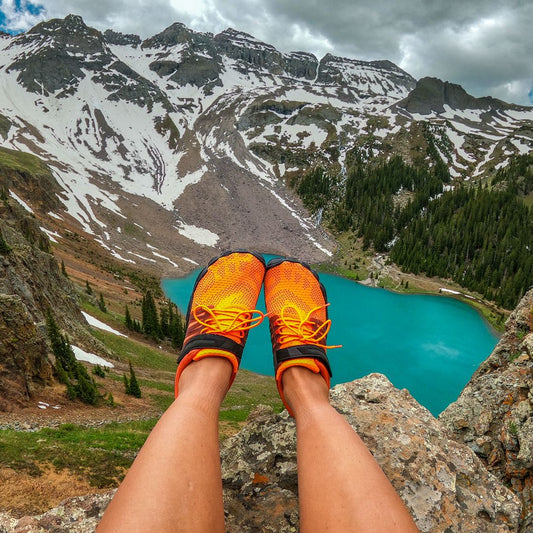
(444, 484)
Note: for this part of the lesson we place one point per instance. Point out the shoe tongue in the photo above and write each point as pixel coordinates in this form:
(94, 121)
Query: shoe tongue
(291, 312)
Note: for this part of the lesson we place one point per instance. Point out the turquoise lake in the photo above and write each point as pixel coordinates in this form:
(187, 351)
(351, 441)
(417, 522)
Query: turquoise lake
(430, 345)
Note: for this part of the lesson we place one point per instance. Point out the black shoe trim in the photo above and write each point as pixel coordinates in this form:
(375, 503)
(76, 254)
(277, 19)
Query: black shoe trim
(308, 351)
(209, 340)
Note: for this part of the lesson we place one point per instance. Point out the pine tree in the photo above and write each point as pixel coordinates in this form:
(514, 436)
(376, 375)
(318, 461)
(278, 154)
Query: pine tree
(88, 288)
(98, 371)
(110, 400)
(62, 376)
(134, 388)
(128, 320)
(63, 269)
(150, 319)
(69, 371)
(101, 304)
(4, 247)
(60, 346)
(164, 322)
(86, 389)
(177, 330)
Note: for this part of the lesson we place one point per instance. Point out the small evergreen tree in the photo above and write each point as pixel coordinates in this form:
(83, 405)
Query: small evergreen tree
(164, 322)
(177, 330)
(101, 304)
(128, 320)
(110, 400)
(98, 371)
(4, 247)
(135, 389)
(63, 269)
(127, 388)
(86, 389)
(69, 371)
(150, 319)
(62, 376)
(88, 288)
(60, 346)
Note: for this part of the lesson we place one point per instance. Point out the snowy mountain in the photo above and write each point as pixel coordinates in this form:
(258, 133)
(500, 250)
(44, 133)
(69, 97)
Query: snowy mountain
(167, 148)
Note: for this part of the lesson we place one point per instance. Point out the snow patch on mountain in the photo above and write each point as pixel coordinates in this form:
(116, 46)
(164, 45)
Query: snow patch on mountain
(199, 235)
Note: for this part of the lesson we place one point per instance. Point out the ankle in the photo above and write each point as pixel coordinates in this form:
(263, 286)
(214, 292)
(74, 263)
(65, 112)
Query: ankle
(205, 382)
(304, 390)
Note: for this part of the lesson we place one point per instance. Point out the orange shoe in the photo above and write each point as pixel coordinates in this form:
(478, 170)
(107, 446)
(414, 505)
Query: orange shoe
(222, 310)
(296, 306)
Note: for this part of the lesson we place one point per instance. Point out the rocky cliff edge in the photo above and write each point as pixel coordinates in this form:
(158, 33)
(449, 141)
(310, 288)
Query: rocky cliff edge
(444, 484)
(493, 415)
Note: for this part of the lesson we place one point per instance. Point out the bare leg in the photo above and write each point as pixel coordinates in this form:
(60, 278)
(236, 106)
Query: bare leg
(175, 482)
(341, 487)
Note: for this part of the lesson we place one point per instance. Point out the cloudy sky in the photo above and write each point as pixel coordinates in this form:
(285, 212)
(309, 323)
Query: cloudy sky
(484, 45)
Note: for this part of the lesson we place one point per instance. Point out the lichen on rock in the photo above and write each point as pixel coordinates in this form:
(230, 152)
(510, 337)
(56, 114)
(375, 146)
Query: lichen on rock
(443, 483)
(494, 413)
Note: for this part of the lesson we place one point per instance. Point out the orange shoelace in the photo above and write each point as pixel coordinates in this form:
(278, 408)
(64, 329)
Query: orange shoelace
(301, 329)
(228, 321)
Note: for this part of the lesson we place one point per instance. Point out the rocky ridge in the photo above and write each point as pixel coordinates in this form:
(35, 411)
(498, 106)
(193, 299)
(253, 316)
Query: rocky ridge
(31, 285)
(493, 415)
(445, 486)
(150, 126)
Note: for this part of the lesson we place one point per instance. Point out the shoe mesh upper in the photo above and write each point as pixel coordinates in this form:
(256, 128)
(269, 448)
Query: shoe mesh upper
(292, 291)
(232, 283)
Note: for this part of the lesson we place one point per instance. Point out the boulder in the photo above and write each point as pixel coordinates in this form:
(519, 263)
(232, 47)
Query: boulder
(493, 415)
(445, 486)
(23, 353)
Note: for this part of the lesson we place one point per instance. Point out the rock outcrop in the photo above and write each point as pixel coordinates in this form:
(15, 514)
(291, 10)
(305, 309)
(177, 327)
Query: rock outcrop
(31, 285)
(431, 95)
(494, 413)
(445, 486)
(443, 483)
(24, 360)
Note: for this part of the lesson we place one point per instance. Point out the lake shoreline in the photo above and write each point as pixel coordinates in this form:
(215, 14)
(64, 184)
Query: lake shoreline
(391, 278)
(405, 339)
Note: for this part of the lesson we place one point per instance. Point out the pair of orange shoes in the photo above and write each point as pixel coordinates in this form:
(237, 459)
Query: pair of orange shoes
(222, 311)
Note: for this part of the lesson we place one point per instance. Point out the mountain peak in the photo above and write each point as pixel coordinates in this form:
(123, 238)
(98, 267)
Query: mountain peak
(177, 33)
(70, 24)
(240, 38)
(432, 94)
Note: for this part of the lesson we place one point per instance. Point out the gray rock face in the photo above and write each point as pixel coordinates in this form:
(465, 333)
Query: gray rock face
(494, 413)
(373, 77)
(115, 37)
(443, 483)
(64, 49)
(75, 515)
(24, 360)
(31, 284)
(177, 34)
(431, 95)
(255, 54)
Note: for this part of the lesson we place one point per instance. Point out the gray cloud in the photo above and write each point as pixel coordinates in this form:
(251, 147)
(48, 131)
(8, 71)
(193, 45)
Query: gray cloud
(485, 45)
